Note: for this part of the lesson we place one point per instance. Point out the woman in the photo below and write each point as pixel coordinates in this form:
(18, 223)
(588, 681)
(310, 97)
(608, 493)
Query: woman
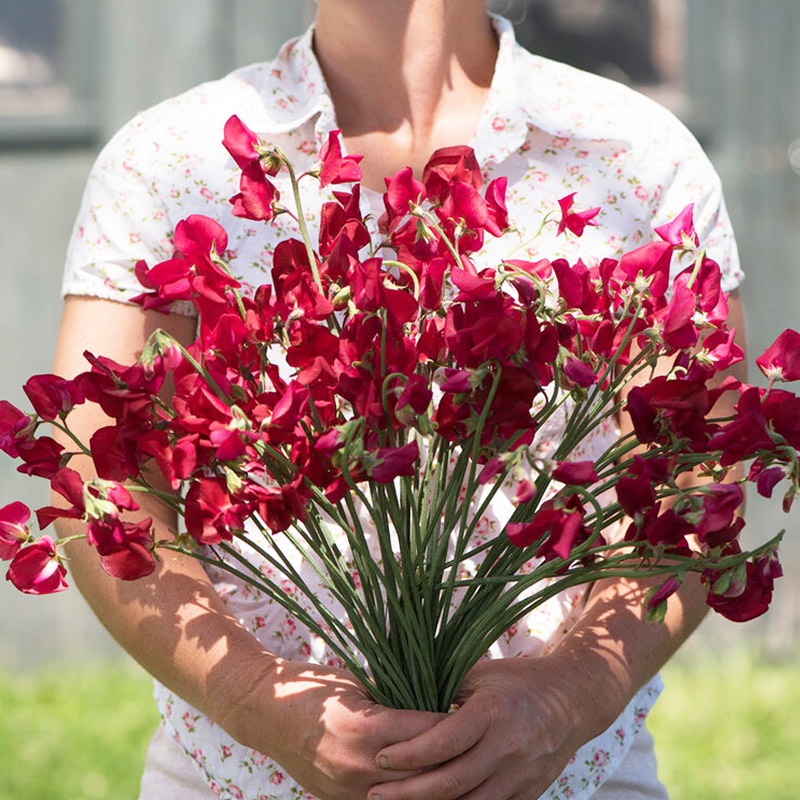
(248, 709)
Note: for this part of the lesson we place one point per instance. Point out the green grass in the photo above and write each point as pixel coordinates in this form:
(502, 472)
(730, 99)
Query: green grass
(725, 728)
(80, 734)
(729, 727)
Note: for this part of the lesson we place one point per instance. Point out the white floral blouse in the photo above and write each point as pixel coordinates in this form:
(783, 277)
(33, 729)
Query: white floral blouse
(550, 129)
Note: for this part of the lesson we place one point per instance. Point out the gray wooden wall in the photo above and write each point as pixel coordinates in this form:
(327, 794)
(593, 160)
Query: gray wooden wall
(744, 81)
(140, 53)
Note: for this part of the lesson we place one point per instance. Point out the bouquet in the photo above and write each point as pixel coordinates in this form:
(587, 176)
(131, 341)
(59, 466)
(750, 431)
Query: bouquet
(362, 412)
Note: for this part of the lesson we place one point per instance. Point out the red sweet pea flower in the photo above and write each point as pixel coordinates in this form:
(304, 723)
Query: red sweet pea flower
(575, 221)
(682, 226)
(52, 396)
(69, 484)
(15, 427)
(402, 191)
(336, 168)
(449, 166)
(243, 145)
(562, 525)
(496, 210)
(577, 473)
(125, 548)
(707, 287)
(212, 516)
(766, 479)
(678, 330)
(257, 196)
(41, 457)
(294, 284)
(651, 262)
(13, 529)
(721, 349)
(720, 503)
(387, 463)
(781, 360)
(35, 569)
(579, 372)
(413, 402)
(742, 600)
(662, 592)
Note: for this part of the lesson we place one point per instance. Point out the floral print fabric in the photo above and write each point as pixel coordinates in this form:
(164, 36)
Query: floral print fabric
(550, 129)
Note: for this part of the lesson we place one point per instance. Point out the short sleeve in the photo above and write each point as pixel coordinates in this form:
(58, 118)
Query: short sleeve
(122, 219)
(691, 178)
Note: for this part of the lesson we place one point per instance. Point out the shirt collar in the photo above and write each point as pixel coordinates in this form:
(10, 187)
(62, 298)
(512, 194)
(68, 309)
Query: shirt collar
(525, 91)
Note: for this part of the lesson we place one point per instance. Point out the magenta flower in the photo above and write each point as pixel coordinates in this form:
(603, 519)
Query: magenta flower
(336, 168)
(13, 529)
(35, 569)
(575, 221)
(390, 462)
(781, 360)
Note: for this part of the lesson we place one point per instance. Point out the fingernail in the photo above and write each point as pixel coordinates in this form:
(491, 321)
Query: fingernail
(374, 797)
(383, 763)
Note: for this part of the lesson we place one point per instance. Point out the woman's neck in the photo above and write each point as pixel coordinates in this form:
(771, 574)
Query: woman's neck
(405, 68)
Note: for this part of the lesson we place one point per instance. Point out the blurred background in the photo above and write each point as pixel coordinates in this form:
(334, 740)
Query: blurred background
(73, 71)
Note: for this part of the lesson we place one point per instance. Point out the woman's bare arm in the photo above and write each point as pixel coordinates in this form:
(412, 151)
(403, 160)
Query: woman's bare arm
(317, 722)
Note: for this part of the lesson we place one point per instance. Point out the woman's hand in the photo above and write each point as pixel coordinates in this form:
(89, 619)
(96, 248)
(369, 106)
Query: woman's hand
(517, 724)
(322, 727)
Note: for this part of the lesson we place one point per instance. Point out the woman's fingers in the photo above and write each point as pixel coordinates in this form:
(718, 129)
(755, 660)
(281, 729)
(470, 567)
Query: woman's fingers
(450, 737)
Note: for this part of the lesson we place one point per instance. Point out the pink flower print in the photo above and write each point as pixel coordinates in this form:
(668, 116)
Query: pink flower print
(512, 630)
(226, 752)
(582, 154)
(305, 650)
(277, 778)
(641, 192)
(563, 780)
(236, 792)
(289, 626)
(174, 194)
(207, 193)
(568, 792)
(334, 662)
(611, 199)
(216, 788)
(282, 103)
(288, 587)
(482, 528)
(524, 147)
(356, 578)
(307, 146)
(498, 124)
(600, 758)
(81, 232)
(134, 238)
(189, 721)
